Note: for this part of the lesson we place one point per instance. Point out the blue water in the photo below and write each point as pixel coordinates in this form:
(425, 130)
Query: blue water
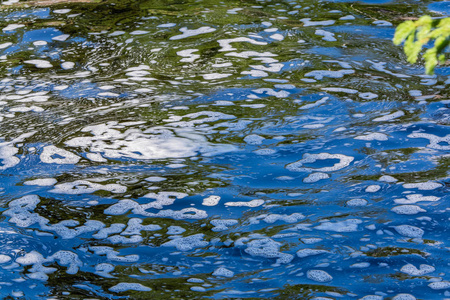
(246, 150)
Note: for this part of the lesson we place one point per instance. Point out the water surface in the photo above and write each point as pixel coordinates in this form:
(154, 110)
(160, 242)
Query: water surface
(222, 150)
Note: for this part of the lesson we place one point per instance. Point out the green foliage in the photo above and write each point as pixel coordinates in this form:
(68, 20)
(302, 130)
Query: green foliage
(416, 34)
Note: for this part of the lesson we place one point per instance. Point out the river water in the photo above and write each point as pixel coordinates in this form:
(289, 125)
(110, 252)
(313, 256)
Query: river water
(249, 149)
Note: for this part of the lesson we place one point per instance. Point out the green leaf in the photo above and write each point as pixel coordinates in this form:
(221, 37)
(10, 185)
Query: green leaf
(403, 31)
(412, 49)
(430, 60)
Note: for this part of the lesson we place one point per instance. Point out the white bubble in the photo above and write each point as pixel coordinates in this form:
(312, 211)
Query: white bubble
(252, 203)
(314, 177)
(211, 200)
(187, 243)
(356, 202)
(319, 275)
(373, 188)
(413, 271)
(409, 231)
(424, 186)
(39, 63)
(439, 285)
(408, 209)
(41, 182)
(192, 32)
(309, 252)
(297, 166)
(50, 151)
(360, 265)
(223, 272)
(126, 286)
(387, 178)
(404, 297)
(85, 187)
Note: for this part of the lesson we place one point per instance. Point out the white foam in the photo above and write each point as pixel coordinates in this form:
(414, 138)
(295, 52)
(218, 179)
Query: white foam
(310, 252)
(347, 17)
(211, 200)
(254, 139)
(135, 227)
(372, 297)
(340, 90)
(314, 177)
(175, 230)
(49, 151)
(327, 36)
(374, 136)
(404, 297)
(387, 178)
(373, 188)
(265, 151)
(360, 265)
(277, 37)
(320, 74)
(423, 186)
(439, 285)
(104, 232)
(226, 43)
(187, 243)
(62, 11)
(139, 32)
(356, 202)
(7, 156)
(292, 218)
(12, 27)
(195, 280)
(222, 224)
(192, 32)
(86, 187)
(248, 54)
(435, 141)
(413, 271)
(409, 231)
(223, 272)
(212, 76)
(154, 143)
(126, 286)
(68, 65)
(4, 259)
(297, 166)
(188, 55)
(104, 269)
(252, 203)
(307, 22)
(41, 182)
(368, 95)
(21, 211)
(311, 240)
(414, 198)
(349, 225)
(97, 157)
(39, 63)
(319, 275)
(408, 209)
(162, 199)
(61, 38)
(69, 259)
(267, 248)
(5, 45)
(155, 179)
(390, 117)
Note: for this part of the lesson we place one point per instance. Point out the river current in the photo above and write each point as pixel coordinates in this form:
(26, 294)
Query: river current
(202, 149)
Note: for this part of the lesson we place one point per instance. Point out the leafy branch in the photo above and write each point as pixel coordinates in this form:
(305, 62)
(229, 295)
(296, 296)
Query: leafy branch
(416, 34)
